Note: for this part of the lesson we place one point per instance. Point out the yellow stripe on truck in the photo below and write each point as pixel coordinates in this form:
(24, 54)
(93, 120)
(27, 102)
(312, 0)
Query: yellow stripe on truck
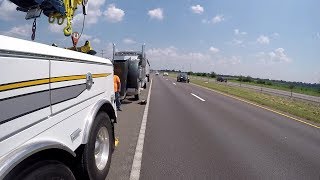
(67, 78)
(100, 75)
(24, 84)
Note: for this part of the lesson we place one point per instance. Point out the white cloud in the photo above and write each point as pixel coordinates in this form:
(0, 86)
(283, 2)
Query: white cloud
(128, 41)
(205, 21)
(238, 32)
(96, 4)
(262, 39)
(276, 56)
(96, 40)
(20, 31)
(85, 37)
(275, 35)
(318, 35)
(233, 60)
(214, 50)
(170, 51)
(114, 14)
(174, 58)
(55, 28)
(197, 9)
(237, 42)
(93, 14)
(217, 19)
(156, 13)
(8, 10)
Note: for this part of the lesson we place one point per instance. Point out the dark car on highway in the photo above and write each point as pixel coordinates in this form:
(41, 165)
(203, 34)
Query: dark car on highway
(221, 79)
(183, 77)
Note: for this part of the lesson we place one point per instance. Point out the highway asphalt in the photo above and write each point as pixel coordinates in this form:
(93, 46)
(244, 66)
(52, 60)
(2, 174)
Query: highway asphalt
(194, 133)
(127, 130)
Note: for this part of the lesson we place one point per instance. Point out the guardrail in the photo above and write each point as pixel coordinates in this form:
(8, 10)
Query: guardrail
(261, 89)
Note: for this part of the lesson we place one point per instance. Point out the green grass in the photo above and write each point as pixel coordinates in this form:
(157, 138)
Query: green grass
(301, 90)
(305, 110)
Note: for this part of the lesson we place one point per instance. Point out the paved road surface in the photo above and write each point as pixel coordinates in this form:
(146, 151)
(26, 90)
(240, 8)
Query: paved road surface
(127, 130)
(205, 135)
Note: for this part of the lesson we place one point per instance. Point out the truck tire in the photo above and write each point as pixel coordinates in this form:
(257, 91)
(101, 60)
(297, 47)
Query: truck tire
(96, 157)
(46, 170)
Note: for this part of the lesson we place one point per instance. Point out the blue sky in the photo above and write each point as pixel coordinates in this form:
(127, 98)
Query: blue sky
(266, 39)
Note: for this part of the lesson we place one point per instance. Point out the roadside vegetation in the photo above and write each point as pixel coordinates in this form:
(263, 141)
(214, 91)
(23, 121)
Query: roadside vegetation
(312, 89)
(305, 110)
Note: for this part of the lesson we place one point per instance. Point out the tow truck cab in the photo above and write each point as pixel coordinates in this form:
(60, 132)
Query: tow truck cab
(57, 111)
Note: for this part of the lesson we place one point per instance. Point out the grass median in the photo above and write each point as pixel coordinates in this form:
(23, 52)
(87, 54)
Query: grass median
(300, 90)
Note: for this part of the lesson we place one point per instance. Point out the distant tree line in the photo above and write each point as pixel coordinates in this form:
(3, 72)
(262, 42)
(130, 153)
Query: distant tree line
(270, 82)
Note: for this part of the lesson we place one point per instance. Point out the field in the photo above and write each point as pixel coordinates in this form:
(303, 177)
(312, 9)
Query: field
(301, 90)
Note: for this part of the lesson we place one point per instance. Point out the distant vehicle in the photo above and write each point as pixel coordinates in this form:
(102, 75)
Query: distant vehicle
(221, 79)
(165, 74)
(157, 73)
(183, 77)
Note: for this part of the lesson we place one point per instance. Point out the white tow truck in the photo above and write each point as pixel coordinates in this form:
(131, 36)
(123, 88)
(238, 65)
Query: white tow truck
(57, 112)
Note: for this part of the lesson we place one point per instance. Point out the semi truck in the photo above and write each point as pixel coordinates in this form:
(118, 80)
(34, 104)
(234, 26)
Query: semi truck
(57, 112)
(133, 69)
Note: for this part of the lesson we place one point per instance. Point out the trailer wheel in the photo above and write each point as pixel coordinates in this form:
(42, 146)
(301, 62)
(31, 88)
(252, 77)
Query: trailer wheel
(46, 169)
(96, 157)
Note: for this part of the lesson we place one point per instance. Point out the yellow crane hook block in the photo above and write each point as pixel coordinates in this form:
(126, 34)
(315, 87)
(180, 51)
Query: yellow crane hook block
(70, 8)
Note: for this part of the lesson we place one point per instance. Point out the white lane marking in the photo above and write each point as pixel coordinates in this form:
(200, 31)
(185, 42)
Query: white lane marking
(197, 97)
(136, 165)
(174, 83)
(167, 79)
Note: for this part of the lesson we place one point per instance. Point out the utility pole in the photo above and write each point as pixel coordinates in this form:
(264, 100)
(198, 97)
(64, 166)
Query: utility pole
(102, 53)
(113, 51)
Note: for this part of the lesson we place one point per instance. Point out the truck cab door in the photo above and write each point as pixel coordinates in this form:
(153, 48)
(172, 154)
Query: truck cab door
(24, 97)
(76, 84)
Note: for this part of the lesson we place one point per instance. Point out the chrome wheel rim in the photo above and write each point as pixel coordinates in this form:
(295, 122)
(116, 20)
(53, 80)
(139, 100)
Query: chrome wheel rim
(101, 149)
